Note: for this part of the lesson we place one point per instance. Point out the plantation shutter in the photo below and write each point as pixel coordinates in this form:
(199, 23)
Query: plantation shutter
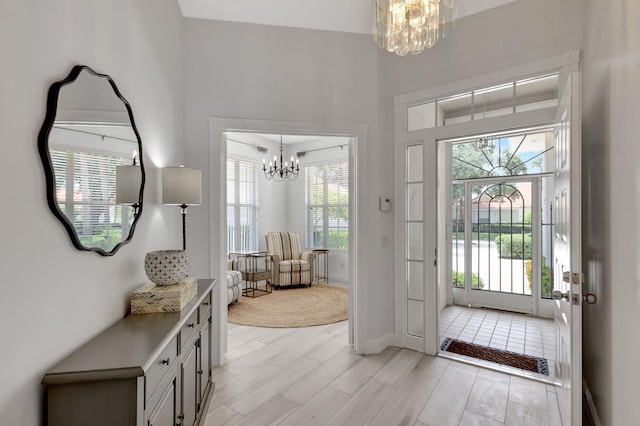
(242, 206)
(328, 205)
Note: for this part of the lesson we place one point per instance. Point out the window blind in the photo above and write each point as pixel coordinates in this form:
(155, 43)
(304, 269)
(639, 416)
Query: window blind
(242, 205)
(86, 193)
(328, 205)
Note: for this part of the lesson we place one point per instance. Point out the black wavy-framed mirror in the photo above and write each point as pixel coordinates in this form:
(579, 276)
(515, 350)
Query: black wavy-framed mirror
(91, 152)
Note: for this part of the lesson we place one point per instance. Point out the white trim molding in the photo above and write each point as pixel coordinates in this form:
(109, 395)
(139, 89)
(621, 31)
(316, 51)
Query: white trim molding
(357, 278)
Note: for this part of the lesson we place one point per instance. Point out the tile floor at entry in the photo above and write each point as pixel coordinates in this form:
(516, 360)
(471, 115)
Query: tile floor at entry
(310, 376)
(513, 332)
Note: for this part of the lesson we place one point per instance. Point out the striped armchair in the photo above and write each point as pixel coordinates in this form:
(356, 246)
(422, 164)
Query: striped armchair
(234, 281)
(290, 265)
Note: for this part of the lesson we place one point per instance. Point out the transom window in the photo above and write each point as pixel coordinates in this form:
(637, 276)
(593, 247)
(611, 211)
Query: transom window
(502, 99)
(522, 153)
(328, 205)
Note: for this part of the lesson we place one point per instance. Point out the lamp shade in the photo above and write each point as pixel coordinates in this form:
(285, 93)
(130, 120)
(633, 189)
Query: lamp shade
(181, 185)
(128, 182)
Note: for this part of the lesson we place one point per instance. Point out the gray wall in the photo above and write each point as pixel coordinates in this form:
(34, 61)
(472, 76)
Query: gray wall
(611, 201)
(283, 74)
(54, 298)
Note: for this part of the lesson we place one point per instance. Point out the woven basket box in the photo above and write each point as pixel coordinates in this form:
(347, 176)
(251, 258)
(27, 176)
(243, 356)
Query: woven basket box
(152, 298)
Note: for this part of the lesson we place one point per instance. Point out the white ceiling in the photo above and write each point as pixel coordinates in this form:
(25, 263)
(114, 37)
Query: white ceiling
(352, 16)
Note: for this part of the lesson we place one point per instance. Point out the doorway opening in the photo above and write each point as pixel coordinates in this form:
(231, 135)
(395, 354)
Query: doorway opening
(499, 251)
(288, 211)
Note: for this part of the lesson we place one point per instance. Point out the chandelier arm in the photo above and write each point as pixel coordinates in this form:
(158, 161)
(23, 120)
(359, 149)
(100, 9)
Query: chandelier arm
(280, 172)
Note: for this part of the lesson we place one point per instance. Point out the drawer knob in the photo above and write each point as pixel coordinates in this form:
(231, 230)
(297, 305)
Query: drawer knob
(165, 361)
(191, 325)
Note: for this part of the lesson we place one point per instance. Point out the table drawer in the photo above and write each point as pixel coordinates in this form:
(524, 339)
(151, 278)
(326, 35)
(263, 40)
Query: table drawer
(205, 309)
(256, 275)
(160, 366)
(188, 329)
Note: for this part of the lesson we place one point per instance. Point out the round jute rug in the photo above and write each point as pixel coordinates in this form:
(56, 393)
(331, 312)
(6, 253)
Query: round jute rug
(292, 307)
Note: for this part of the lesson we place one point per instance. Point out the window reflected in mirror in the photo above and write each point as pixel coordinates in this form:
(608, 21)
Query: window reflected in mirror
(91, 153)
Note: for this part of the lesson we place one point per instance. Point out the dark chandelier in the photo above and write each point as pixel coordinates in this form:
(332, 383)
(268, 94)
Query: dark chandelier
(282, 171)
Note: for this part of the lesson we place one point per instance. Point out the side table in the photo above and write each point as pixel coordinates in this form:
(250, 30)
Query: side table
(256, 268)
(324, 275)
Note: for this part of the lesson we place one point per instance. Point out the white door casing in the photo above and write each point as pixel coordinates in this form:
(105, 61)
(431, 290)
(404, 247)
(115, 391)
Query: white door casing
(357, 239)
(437, 292)
(567, 253)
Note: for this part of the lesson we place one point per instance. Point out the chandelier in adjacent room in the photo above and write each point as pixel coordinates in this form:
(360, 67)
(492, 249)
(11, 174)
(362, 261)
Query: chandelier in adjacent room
(410, 26)
(282, 170)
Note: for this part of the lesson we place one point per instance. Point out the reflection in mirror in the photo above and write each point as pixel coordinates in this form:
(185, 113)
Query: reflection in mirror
(90, 150)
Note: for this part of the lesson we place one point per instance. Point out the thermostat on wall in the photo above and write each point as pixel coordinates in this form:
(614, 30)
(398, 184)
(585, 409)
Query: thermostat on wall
(385, 204)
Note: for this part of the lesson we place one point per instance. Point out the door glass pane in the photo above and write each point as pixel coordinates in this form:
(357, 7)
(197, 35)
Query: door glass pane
(415, 318)
(415, 241)
(501, 237)
(414, 163)
(457, 235)
(415, 249)
(546, 240)
(520, 153)
(414, 201)
(415, 278)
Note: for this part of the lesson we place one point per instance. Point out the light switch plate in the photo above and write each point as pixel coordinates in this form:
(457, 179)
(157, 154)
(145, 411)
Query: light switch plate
(385, 204)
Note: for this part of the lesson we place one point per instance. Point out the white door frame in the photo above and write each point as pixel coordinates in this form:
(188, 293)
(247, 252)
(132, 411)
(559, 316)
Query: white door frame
(568, 250)
(357, 191)
(434, 297)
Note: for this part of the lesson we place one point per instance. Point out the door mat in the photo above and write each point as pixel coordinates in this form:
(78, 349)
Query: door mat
(512, 359)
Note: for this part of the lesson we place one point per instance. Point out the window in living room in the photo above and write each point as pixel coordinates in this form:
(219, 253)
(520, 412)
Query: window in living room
(328, 205)
(242, 205)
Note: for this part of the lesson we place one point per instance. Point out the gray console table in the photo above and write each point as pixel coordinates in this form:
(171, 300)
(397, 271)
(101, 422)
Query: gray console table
(147, 369)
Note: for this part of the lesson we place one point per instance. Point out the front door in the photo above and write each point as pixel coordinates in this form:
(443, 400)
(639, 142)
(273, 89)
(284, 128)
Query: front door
(498, 240)
(500, 195)
(567, 253)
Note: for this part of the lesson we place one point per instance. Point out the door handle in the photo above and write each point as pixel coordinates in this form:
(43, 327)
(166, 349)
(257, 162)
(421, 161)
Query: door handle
(558, 295)
(590, 298)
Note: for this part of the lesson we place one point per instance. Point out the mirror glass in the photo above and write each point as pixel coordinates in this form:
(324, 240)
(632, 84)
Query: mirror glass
(91, 151)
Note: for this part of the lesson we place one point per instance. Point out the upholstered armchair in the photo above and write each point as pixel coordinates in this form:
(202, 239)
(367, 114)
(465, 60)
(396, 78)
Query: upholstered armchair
(289, 264)
(234, 281)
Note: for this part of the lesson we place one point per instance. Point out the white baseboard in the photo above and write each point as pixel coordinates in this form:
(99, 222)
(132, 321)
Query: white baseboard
(338, 278)
(376, 346)
(591, 407)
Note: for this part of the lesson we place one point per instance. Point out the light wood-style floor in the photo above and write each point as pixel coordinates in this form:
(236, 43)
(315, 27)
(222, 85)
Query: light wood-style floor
(310, 376)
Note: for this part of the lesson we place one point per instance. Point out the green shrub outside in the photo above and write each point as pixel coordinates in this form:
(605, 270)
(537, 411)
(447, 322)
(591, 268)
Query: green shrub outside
(547, 277)
(339, 239)
(457, 278)
(105, 239)
(514, 246)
